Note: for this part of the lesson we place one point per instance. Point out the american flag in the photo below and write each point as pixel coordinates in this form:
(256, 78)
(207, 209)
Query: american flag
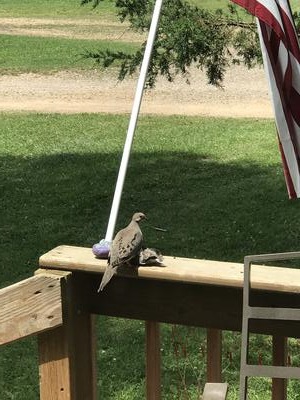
(281, 56)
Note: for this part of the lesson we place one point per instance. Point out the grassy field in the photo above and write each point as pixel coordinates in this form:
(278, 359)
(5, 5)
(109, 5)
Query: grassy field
(57, 179)
(74, 9)
(207, 171)
(45, 55)
(54, 9)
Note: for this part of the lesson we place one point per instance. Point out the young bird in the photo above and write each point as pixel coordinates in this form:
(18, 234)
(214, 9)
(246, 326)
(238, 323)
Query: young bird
(125, 247)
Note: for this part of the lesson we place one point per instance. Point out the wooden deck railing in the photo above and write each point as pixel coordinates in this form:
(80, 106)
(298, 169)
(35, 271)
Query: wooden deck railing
(58, 305)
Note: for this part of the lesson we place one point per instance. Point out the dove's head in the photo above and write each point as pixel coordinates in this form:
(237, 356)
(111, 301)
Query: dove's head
(139, 216)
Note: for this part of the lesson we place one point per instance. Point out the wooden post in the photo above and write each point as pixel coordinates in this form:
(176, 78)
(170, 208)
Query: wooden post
(214, 355)
(153, 369)
(279, 386)
(67, 354)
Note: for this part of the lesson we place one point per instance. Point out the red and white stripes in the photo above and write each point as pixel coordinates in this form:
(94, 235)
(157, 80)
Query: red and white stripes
(281, 55)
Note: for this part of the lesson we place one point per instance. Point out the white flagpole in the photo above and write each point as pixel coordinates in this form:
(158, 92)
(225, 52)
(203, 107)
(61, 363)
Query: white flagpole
(132, 125)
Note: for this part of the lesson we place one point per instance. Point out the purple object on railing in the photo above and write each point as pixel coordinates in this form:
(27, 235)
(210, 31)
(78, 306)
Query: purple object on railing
(101, 249)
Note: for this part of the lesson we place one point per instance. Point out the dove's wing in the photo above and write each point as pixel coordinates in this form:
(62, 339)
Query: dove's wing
(126, 245)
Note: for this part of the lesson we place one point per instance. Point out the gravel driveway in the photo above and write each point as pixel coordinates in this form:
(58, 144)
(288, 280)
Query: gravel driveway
(245, 92)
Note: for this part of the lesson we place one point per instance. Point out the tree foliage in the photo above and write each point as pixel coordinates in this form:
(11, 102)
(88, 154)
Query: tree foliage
(187, 34)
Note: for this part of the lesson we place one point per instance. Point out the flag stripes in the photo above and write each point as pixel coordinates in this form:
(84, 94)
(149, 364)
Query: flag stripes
(281, 54)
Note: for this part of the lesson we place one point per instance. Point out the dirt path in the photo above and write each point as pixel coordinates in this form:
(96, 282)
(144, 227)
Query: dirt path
(245, 92)
(78, 28)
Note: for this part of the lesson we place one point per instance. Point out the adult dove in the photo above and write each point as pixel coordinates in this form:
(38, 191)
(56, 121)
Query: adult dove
(125, 247)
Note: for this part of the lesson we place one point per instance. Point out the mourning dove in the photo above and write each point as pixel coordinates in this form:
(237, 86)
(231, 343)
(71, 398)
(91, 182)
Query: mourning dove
(125, 247)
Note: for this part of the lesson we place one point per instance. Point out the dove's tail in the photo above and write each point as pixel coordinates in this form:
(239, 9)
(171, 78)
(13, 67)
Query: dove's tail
(108, 274)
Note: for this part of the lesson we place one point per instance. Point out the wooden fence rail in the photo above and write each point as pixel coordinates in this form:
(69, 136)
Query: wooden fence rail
(60, 301)
(31, 306)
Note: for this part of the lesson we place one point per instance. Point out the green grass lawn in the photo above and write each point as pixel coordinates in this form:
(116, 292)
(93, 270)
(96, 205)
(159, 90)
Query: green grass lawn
(55, 9)
(74, 9)
(46, 55)
(215, 184)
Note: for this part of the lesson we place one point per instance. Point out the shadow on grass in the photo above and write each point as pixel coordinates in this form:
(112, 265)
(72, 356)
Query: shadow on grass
(211, 210)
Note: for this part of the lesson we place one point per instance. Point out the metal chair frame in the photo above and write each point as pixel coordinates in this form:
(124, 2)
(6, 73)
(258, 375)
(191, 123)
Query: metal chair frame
(272, 313)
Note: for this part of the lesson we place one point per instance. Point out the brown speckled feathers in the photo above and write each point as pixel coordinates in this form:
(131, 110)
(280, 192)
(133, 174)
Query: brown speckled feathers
(126, 246)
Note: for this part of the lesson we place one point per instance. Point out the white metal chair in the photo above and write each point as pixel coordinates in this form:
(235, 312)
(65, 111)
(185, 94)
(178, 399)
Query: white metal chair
(265, 313)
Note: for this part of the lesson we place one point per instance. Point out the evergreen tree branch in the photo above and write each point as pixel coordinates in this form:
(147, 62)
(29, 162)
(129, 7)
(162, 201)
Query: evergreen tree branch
(187, 35)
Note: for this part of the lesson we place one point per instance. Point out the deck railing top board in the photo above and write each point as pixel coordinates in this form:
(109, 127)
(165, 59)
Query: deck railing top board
(186, 270)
